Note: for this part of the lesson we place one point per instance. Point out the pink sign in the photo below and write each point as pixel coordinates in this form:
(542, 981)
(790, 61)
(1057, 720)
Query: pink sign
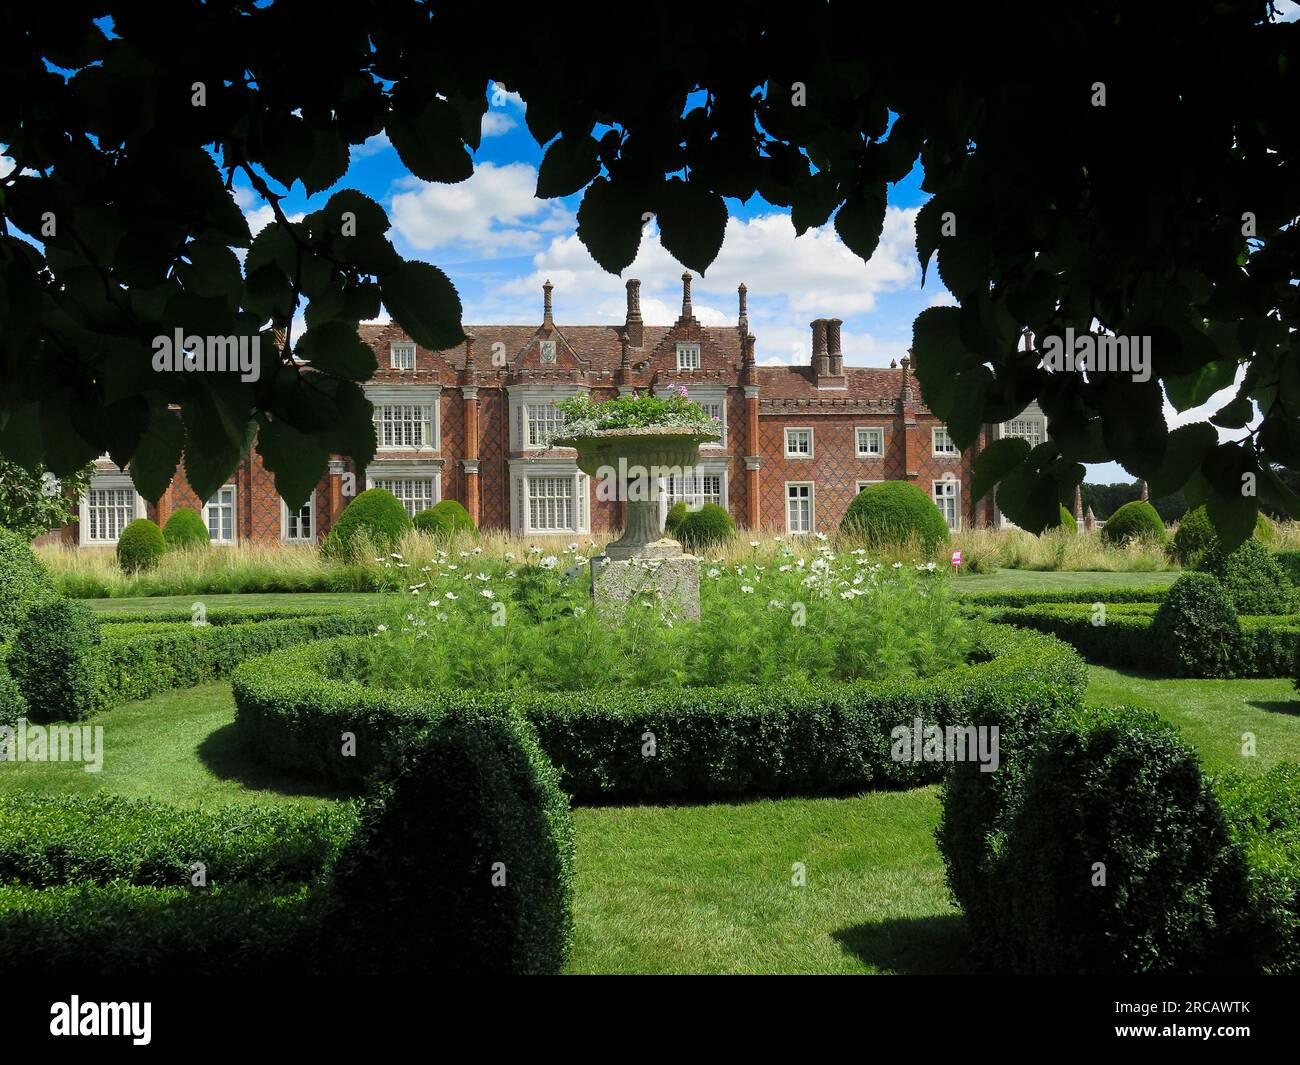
(956, 560)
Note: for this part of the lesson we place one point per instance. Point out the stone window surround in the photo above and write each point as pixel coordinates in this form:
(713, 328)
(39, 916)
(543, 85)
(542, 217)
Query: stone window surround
(284, 522)
(521, 395)
(812, 450)
(857, 447)
(706, 467)
(409, 351)
(429, 393)
(558, 466)
(410, 469)
(935, 452)
(107, 480)
(234, 514)
(812, 507)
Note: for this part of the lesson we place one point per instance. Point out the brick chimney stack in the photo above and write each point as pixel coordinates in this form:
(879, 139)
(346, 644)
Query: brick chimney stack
(634, 327)
(907, 376)
(833, 347)
(743, 323)
(821, 360)
(547, 320)
(687, 310)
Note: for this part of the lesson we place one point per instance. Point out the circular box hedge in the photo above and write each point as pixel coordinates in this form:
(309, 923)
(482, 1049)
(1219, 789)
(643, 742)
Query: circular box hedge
(295, 706)
(376, 514)
(140, 546)
(186, 528)
(1134, 521)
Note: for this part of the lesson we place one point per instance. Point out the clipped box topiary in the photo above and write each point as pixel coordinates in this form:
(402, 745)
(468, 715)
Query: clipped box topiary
(1195, 538)
(1252, 578)
(375, 515)
(673, 520)
(1134, 521)
(141, 546)
(447, 518)
(23, 580)
(469, 839)
(185, 529)
(1105, 852)
(710, 526)
(55, 661)
(895, 514)
(1197, 630)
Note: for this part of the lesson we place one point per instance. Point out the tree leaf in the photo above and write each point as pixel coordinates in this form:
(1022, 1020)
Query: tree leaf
(297, 460)
(568, 165)
(430, 143)
(609, 225)
(424, 302)
(998, 459)
(1187, 449)
(861, 220)
(333, 347)
(156, 457)
(692, 223)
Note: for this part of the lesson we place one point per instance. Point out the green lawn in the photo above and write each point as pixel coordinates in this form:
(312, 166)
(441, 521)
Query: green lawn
(1024, 580)
(703, 888)
(1213, 715)
(159, 604)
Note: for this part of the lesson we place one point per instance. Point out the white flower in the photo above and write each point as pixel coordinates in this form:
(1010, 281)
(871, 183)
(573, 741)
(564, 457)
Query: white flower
(784, 569)
(821, 536)
(442, 617)
(396, 554)
(452, 565)
(435, 602)
(775, 604)
(572, 547)
(779, 539)
(715, 572)
(579, 611)
(464, 554)
(452, 595)
(487, 593)
(858, 551)
(510, 573)
(746, 588)
(753, 543)
(510, 556)
(483, 577)
(534, 550)
(382, 628)
(930, 566)
(549, 562)
(478, 550)
(898, 565)
(416, 587)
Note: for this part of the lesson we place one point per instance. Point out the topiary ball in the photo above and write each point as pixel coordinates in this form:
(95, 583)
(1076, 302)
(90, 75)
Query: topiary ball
(23, 580)
(430, 522)
(674, 518)
(1068, 523)
(895, 514)
(55, 661)
(454, 517)
(1197, 630)
(468, 836)
(710, 526)
(185, 529)
(376, 515)
(140, 546)
(1195, 537)
(1252, 578)
(1134, 521)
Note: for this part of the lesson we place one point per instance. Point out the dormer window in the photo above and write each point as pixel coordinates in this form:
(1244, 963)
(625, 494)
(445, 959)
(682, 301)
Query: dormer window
(688, 356)
(402, 355)
(548, 352)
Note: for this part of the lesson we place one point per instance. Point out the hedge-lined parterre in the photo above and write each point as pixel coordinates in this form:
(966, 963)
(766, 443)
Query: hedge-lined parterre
(1101, 848)
(68, 666)
(460, 861)
(304, 707)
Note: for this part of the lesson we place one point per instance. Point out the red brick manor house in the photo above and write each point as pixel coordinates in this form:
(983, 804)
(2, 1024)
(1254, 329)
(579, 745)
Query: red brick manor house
(469, 424)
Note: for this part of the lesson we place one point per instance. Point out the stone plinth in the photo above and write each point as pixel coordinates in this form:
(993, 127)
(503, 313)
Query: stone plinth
(674, 582)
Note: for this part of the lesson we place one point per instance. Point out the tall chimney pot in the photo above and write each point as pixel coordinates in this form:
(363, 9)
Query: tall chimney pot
(547, 319)
(634, 327)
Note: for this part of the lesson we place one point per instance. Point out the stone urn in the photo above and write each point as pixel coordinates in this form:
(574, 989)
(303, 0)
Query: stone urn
(629, 464)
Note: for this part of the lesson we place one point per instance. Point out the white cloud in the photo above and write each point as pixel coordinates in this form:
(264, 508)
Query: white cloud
(496, 122)
(493, 211)
(6, 166)
(371, 146)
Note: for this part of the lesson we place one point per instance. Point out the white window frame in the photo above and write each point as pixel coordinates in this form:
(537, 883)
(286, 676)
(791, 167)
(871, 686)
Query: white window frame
(863, 484)
(421, 395)
(690, 355)
(954, 523)
(401, 355)
(546, 352)
(233, 491)
(948, 451)
(858, 432)
(287, 517)
(523, 472)
(812, 507)
(1015, 428)
(521, 397)
(706, 397)
(107, 481)
(791, 454)
(400, 470)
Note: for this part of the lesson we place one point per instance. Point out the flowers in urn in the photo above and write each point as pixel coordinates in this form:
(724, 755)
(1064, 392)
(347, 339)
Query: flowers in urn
(674, 410)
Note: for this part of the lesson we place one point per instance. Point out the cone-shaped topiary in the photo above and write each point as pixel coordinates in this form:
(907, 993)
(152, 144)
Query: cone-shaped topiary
(1195, 537)
(140, 546)
(710, 526)
(1197, 629)
(1252, 578)
(185, 529)
(23, 580)
(1134, 521)
(895, 514)
(377, 515)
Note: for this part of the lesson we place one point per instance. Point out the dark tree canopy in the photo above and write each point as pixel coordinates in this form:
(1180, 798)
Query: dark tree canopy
(1107, 166)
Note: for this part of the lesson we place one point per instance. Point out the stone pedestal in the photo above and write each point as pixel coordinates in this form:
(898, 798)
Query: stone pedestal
(673, 581)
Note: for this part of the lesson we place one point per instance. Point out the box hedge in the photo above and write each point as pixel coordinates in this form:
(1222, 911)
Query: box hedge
(47, 841)
(894, 514)
(1099, 848)
(23, 580)
(412, 891)
(1252, 579)
(55, 661)
(140, 546)
(375, 517)
(294, 706)
(186, 529)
